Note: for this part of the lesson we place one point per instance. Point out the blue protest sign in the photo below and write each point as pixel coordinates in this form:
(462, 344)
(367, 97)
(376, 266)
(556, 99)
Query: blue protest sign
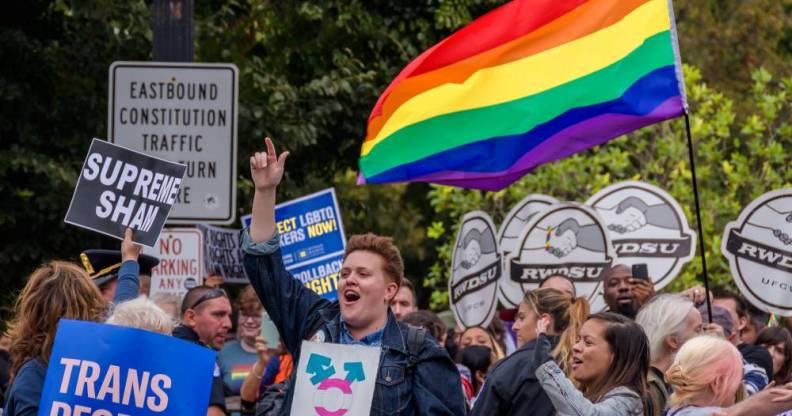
(107, 370)
(310, 227)
(311, 240)
(320, 276)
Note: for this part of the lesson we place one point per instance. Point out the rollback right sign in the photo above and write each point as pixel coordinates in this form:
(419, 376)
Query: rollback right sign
(758, 247)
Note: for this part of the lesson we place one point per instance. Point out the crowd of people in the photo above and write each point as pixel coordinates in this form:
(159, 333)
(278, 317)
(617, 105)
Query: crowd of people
(648, 353)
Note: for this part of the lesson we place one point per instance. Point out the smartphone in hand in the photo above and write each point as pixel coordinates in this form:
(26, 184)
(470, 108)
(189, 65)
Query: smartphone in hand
(640, 271)
(268, 331)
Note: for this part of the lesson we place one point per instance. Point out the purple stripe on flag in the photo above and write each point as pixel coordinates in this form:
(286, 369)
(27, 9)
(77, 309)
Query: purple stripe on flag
(571, 140)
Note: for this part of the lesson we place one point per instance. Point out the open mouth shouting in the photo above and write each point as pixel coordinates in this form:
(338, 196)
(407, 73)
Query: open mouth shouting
(350, 297)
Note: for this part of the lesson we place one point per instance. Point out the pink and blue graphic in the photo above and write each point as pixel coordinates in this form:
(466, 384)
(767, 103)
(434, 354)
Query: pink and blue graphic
(333, 395)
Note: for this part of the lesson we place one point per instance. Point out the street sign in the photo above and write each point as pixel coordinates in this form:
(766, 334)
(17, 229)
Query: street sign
(180, 251)
(185, 113)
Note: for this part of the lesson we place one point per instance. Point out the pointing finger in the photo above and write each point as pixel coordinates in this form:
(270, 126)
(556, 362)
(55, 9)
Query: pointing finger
(270, 147)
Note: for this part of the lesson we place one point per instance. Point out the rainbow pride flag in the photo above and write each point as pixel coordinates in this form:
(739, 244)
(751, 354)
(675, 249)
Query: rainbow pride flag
(531, 82)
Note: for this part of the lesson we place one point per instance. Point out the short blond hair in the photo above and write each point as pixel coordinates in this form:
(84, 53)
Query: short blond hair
(144, 314)
(700, 361)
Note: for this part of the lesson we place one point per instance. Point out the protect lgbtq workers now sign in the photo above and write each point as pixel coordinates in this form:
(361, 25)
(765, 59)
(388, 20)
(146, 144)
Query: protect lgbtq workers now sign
(311, 240)
(119, 188)
(185, 113)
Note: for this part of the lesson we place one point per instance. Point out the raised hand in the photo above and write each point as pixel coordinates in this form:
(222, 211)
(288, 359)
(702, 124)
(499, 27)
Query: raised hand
(643, 290)
(266, 168)
(129, 249)
(697, 294)
(262, 350)
(542, 324)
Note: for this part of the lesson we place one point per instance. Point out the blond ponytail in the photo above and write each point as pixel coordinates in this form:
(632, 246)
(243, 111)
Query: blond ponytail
(577, 312)
(569, 314)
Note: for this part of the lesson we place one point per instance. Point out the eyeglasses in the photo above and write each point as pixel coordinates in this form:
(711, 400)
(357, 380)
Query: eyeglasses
(244, 318)
(209, 295)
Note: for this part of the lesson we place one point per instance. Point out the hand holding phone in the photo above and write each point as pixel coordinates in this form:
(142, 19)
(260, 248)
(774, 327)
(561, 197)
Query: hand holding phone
(268, 331)
(642, 287)
(640, 271)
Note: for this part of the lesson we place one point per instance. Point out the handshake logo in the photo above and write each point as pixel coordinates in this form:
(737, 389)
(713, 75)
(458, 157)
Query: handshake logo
(510, 293)
(476, 268)
(567, 239)
(646, 225)
(570, 235)
(759, 249)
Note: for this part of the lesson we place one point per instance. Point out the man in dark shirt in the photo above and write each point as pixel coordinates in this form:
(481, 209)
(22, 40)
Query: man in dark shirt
(624, 294)
(206, 320)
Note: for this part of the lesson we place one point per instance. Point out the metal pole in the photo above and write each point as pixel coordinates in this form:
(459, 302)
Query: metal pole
(173, 30)
(702, 244)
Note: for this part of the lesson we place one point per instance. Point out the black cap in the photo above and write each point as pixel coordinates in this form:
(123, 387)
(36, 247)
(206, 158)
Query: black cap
(103, 265)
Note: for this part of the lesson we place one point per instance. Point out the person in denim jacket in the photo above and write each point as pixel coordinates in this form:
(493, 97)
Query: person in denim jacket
(369, 279)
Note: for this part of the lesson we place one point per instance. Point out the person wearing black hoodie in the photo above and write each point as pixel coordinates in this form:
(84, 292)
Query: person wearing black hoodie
(511, 388)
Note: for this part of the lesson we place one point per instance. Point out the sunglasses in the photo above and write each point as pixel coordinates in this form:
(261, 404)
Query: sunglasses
(209, 295)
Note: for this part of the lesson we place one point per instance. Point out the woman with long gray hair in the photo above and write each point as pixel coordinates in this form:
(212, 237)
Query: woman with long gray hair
(668, 320)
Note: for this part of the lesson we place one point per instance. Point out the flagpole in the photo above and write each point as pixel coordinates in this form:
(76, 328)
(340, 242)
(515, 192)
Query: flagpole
(702, 244)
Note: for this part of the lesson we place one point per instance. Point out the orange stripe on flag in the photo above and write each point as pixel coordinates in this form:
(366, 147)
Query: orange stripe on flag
(582, 21)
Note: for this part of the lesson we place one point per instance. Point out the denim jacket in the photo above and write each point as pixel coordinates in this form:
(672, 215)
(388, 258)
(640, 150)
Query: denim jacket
(432, 388)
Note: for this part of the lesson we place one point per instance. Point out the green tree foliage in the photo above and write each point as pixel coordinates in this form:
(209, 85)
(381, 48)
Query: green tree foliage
(309, 75)
(739, 156)
(727, 39)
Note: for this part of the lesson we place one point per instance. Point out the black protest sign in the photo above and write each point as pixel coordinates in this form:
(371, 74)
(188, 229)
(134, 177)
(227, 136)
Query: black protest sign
(119, 188)
(223, 253)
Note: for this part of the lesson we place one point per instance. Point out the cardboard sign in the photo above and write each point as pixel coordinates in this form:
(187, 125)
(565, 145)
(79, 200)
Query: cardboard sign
(186, 113)
(473, 287)
(510, 292)
(119, 188)
(646, 225)
(311, 239)
(759, 249)
(180, 269)
(223, 253)
(568, 239)
(102, 370)
(335, 379)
